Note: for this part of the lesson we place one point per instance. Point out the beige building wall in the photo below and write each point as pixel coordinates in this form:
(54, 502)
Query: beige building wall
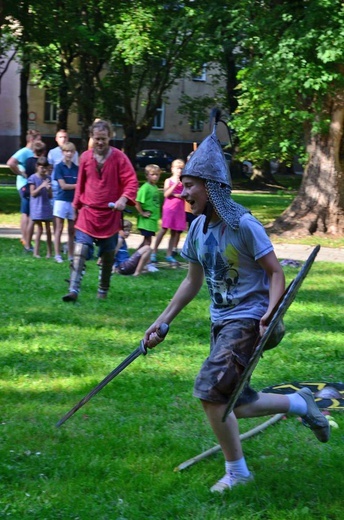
(176, 126)
(9, 112)
(36, 97)
(176, 129)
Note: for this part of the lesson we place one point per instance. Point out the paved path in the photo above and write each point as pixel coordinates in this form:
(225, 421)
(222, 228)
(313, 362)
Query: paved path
(283, 251)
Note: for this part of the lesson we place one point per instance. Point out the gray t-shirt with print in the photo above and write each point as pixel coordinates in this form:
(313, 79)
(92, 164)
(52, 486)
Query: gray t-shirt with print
(237, 284)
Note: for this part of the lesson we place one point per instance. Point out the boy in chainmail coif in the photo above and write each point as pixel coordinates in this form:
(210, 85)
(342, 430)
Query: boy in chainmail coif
(230, 249)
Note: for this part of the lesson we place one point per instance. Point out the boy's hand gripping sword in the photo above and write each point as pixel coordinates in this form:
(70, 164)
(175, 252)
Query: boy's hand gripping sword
(277, 313)
(142, 349)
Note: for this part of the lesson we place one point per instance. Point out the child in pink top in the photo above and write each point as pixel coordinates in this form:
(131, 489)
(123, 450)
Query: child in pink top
(173, 212)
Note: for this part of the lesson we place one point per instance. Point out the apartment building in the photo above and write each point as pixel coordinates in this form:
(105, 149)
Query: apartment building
(172, 131)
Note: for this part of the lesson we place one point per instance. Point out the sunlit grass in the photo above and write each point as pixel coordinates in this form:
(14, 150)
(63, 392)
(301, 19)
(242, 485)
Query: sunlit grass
(264, 206)
(115, 458)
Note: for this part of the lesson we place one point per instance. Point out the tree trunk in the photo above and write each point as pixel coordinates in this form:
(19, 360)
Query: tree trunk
(24, 105)
(64, 103)
(319, 206)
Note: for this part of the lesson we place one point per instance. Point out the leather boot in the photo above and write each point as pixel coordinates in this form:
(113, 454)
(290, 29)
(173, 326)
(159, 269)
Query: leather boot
(77, 271)
(105, 272)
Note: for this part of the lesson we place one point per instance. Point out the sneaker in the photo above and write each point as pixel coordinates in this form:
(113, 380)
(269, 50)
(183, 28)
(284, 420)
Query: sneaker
(101, 295)
(228, 481)
(314, 419)
(151, 268)
(58, 259)
(153, 258)
(70, 297)
(171, 260)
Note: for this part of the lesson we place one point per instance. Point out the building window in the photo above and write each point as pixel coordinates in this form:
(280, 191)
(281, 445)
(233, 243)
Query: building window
(196, 123)
(202, 76)
(50, 109)
(159, 119)
(119, 110)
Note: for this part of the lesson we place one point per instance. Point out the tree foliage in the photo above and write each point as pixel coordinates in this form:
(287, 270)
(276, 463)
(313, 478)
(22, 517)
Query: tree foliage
(157, 45)
(290, 100)
(292, 54)
(283, 59)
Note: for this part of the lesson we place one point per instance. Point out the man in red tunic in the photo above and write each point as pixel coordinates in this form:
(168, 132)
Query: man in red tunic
(106, 182)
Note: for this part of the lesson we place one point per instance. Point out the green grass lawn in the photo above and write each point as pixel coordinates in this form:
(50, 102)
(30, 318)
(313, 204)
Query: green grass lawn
(115, 458)
(265, 206)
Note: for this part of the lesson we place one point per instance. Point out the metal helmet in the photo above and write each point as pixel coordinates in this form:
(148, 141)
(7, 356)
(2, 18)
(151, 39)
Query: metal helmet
(208, 163)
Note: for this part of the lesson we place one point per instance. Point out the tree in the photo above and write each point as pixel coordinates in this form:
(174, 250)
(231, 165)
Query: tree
(292, 102)
(143, 46)
(157, 43)
(66, 45)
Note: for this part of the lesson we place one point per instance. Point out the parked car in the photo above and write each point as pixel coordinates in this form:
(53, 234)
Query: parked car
(159, 157)
(228, 157)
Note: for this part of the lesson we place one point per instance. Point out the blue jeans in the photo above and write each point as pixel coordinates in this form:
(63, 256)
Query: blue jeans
(104, 244)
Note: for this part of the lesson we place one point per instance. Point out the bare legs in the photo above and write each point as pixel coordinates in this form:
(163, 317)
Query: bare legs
(39, 231)
(145, 253)
(26, 228)
(172, 243)
(158, 239)
(145, 242)
(59, 223)
(267, 404)
(57, 235)
(227, 432)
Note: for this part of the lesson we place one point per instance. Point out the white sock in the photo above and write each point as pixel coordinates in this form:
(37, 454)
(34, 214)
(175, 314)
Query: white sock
(298, 405)
(237, 467)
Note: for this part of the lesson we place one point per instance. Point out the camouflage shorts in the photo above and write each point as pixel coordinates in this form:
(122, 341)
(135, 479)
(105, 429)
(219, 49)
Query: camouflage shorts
(231, 346)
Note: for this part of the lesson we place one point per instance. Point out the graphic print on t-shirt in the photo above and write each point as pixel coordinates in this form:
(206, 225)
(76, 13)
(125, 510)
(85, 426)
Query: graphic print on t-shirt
(221, 275)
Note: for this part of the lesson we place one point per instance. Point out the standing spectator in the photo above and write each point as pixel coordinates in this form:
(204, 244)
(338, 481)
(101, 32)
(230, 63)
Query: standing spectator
(134, 264)
(173, 212)
(66, 173)
(40, 206)
(148, 205)
(190, 217)
(17, 164)
(39, 150)
(55, 156)
(106, 176)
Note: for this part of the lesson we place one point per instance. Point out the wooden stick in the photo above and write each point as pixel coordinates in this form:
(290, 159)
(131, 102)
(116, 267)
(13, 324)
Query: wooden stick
(274, 419)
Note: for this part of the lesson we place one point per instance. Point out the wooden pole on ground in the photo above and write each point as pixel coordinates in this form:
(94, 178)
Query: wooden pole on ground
(261, 427)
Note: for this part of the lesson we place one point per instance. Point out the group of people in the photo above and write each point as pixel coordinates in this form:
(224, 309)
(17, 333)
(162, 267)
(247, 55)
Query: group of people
(225, 246)
(174, 211)
(46, 185)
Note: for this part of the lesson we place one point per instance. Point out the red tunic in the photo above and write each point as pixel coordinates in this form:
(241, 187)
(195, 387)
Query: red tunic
(95, 190)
